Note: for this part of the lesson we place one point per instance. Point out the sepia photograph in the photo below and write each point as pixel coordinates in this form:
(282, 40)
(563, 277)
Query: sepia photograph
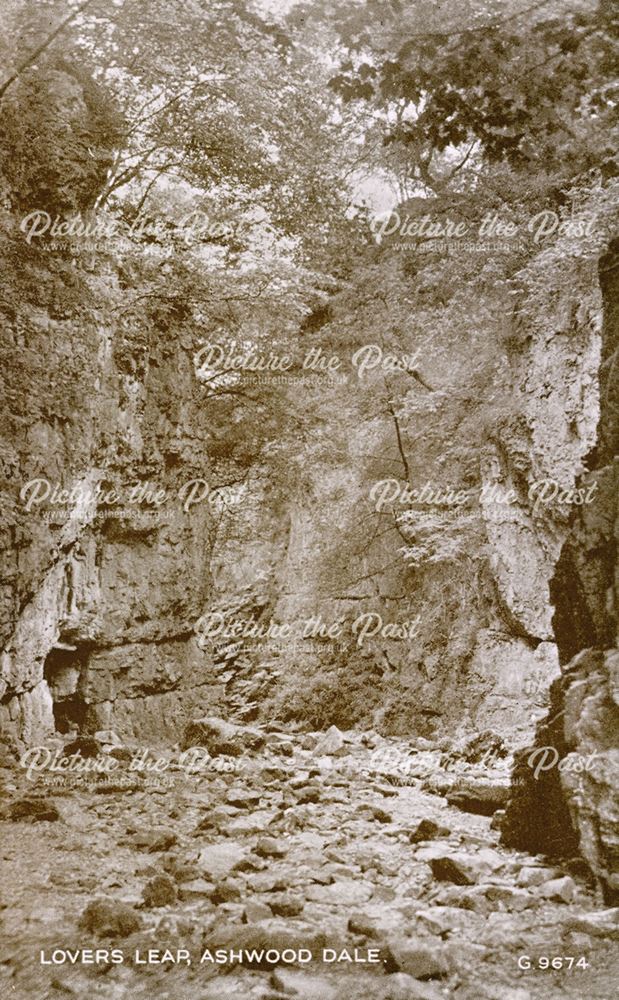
(309, 520)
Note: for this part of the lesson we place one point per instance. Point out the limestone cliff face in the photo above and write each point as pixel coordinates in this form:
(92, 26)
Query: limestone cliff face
(537, 459)
(106, 569)
(100, 599)
(574, 804)
(530, 471)
(101, 585)
(484, 655)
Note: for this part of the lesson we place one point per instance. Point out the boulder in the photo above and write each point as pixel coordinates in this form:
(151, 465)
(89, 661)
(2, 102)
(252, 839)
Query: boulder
(417, 958)
(221, 737)
(531, 876)
(311, 793)
(255, 911)
(360, 924)
(217, 861)
(511, 899)
(383, 894)
(286, 905)
(108, 737)
(33, 811)
(374, 812)
(109, 918)
(481, 797)
(153, 841)
(269, 847)
(561, 889)
(227, 891)
(250, 823)
(342, 893)
(267, 937)
(160, 891)
(241, 797)
(197, 888)
(464, 869)
(427, 829)
(330, 742)
(603, 924)
(304, 985)
(217, 817)
(471, 898)
(266, 882)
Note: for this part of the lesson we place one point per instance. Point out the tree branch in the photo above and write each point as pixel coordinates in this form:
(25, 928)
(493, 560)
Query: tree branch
(400, 445)
(43, 46)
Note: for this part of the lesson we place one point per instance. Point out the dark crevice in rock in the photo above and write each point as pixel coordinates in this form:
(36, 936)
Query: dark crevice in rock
(538, 819)
(62, 670)
(160, 640)
(574, 620)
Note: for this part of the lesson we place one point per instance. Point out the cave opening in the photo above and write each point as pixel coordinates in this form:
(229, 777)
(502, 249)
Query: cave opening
(62, 671)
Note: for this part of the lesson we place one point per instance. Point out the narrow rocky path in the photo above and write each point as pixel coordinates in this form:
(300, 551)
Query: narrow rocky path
(342, 847)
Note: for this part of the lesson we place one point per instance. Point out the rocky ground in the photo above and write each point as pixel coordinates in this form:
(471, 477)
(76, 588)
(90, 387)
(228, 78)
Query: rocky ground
(380, 857)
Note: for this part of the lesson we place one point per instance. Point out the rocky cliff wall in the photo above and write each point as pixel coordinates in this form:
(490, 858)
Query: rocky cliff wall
(483, 654)
(568, 801)
(100, 609)
(101, 583)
